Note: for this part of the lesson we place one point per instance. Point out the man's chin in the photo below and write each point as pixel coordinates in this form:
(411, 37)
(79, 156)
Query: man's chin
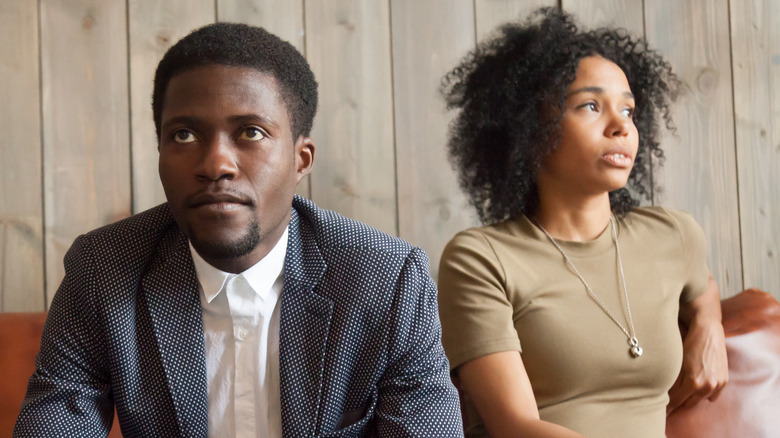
(217, 248)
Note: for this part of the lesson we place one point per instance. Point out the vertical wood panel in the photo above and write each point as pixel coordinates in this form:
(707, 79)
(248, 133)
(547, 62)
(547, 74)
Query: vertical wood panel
(492, 13)
(429, 38)
(699, 174)
(608, 13)
(85, 118)
(348, 46)
(283, 18)
(82, 113)
(154, 26)
(21, 224)
(755, 31)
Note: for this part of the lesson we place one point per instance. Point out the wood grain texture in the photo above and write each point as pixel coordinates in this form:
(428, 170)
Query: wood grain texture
(348, 46)
(79, 177)
(608, 13)
(429, 39)
(86, 122)
(755, 30)
(492, 13)
(21, 224)
(283, 18)
(699, 174)
(154, 26)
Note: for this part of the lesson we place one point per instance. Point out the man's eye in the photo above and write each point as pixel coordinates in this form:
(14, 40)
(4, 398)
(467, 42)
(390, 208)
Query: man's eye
(252, 134)
(183, 136)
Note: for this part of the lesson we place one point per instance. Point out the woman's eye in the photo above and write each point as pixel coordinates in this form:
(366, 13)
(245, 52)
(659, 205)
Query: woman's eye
(629, 112)
(252, 133)
(183, 136)
(590, 106)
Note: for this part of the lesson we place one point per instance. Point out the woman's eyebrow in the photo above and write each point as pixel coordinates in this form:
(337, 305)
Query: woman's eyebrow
(597, 90)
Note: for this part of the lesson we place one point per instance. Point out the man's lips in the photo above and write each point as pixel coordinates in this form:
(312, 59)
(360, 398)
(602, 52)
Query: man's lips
(216, 200)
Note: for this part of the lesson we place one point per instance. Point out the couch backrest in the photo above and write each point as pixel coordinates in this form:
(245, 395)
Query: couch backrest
(20, 340)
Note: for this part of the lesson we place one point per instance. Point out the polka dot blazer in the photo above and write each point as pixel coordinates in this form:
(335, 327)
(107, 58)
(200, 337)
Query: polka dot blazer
(360, 351)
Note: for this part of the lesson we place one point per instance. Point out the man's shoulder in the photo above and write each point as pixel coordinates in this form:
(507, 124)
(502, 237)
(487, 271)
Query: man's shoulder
(332, 231)
(134, 236)
(154, 218)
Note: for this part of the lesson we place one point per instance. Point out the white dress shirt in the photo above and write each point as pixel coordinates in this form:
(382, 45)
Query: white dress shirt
(241, 328)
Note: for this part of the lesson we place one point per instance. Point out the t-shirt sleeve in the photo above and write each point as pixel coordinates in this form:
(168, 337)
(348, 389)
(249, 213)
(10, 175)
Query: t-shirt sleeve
(476, 315)
(694, 245)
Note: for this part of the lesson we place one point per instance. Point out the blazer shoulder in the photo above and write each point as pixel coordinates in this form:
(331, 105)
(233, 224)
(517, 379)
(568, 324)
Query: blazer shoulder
(130, 241)
(155, 218)
(333, 231)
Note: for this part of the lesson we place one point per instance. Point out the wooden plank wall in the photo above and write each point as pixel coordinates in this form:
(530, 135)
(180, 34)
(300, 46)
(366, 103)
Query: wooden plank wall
(78, 148)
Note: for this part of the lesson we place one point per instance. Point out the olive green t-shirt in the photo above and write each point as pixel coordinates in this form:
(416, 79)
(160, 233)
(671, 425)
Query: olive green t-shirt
(506, 287)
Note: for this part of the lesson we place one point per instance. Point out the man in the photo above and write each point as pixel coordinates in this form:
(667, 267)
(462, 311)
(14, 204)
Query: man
(238, 308)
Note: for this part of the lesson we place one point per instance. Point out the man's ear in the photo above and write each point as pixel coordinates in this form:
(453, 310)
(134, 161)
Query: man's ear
(304, 156)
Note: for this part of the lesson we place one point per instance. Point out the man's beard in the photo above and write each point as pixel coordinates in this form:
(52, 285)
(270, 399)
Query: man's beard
(225, 250)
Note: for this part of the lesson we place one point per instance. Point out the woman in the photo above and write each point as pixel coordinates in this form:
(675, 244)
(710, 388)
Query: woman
(560, 316)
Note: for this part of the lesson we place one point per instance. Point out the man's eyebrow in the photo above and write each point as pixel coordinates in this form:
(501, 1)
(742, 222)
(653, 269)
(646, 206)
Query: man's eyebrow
(597, 90)
(250, 118)
(243, 118)
(183, 120)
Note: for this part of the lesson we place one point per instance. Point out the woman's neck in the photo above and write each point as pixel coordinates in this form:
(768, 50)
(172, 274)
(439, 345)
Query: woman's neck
(578, 220)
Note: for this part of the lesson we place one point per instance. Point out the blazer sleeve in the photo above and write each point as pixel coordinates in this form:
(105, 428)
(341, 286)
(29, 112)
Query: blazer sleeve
(69, 392)
(416, 396)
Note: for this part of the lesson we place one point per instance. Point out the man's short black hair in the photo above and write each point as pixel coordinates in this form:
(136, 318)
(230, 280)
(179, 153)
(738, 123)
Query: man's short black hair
(240, 45)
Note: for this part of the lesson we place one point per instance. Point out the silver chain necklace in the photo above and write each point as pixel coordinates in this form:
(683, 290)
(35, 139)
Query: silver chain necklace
(634, 349)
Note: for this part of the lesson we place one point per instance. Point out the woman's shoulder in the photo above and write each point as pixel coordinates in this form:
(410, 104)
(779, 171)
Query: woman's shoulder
(497, 234)
(664, 219)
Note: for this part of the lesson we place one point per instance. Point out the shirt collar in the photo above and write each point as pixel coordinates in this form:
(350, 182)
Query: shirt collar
(260, 276)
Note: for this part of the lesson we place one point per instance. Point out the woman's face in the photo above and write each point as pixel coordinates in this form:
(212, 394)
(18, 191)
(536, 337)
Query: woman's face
(599, 140)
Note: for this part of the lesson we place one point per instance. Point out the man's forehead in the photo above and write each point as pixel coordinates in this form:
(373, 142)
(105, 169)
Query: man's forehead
(244, 85)
(216, 93)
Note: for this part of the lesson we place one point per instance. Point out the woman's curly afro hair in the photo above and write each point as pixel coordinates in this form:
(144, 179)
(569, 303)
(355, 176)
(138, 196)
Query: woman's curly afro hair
(510, 94)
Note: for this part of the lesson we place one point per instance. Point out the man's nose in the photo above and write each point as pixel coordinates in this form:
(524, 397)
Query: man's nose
(218, 160)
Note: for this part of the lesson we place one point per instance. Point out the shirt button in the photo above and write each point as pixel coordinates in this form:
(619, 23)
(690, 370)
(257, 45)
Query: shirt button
(242, 334)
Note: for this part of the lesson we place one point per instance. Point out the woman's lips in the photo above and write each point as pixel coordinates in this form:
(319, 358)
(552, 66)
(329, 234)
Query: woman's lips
(617, 159)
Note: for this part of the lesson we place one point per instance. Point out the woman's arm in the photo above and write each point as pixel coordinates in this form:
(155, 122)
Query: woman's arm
(705, 369)
(499, 386)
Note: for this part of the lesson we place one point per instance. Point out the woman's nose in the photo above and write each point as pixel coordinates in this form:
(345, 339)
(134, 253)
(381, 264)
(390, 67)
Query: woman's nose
(618, 125)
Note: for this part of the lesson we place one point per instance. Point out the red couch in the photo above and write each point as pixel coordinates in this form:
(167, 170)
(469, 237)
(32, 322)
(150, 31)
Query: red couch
(20, 340)
(749, 407)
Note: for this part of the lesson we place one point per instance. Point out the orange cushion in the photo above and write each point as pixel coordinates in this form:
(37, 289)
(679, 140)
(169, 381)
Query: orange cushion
(749, 405)
(20, 340)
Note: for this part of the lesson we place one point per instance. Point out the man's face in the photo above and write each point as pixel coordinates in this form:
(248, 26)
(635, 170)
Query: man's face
(228, 162)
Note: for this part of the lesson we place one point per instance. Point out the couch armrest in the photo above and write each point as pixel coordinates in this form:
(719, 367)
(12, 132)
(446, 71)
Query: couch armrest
(749, 405)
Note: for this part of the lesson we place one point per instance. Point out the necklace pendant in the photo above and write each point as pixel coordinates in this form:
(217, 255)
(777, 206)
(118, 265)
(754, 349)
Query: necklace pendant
(635, 349)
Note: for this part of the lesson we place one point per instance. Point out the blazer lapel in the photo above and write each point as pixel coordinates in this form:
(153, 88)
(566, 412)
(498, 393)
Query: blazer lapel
(170, 289)
(304, 322)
